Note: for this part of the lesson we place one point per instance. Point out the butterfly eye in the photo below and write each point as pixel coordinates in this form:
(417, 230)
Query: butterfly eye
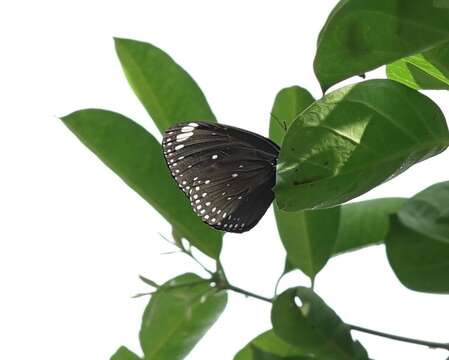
(226, 172)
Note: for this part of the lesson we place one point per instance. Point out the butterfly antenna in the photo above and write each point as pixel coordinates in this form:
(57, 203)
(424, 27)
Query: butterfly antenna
(282, 124)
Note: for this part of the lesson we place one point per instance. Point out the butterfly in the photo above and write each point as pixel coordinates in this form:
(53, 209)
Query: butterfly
(227, 173)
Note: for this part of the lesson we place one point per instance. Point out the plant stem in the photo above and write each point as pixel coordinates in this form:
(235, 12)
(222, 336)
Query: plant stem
(248, 293)
(431, 344)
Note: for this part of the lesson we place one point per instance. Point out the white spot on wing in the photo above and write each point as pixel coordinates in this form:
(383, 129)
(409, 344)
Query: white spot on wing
(178, 147)
(183, 137)
(215, 156)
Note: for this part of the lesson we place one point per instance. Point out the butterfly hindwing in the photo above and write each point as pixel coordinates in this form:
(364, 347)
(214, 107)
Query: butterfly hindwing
(226, 172)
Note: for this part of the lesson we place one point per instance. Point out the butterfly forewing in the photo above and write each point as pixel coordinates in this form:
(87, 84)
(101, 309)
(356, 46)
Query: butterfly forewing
(227, 173)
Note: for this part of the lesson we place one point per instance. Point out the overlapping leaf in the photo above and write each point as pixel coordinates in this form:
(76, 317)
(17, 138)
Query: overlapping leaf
(365, 223)
(288, 104)
(313, 327)
(178, 316)
(168, 92)
(361, 35)
(136, 156)
(308, 236)
(418, 241)
(269, 346)
(352, 140)
(426, 71)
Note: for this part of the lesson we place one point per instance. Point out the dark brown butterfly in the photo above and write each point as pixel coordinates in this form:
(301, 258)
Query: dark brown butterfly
(226, 172)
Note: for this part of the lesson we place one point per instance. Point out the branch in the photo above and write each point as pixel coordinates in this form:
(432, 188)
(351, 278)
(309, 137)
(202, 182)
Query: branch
(430, 344)
(247, 293)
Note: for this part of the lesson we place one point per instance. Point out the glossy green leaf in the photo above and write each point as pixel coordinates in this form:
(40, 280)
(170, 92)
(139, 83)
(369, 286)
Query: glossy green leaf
(406, 72)
(136, 156)
(365, 223)
(269, 346)
(361, 35)
(313, 327)
(427, 71)
(418, 241)
(352, 140)
(308, 236)
(178, 316)
(167, 91)
(124, 354)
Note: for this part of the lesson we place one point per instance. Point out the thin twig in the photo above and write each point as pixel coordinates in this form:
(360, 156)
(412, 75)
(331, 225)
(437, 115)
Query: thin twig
(183, 250)
(189, 253)
(431, 344)
(248, 293)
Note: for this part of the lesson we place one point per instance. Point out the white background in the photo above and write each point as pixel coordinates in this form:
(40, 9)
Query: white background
(73, 237)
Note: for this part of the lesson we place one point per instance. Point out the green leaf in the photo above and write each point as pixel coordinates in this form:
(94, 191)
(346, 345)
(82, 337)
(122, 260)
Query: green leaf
(313, 327)
(308, 236)
(365, 223)
(418, 241)
(269, 346)
(427, 71)
(362, 224)
(124, 354)
(167, 91)
(362, 35)
(136, 156)
(288, 266)
(262, 355)
(178, 316)
(288, 104)
(149, 282)
(354, 139)
(406, 72)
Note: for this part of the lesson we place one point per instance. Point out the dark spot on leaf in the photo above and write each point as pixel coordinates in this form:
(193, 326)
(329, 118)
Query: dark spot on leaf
(296, 183)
